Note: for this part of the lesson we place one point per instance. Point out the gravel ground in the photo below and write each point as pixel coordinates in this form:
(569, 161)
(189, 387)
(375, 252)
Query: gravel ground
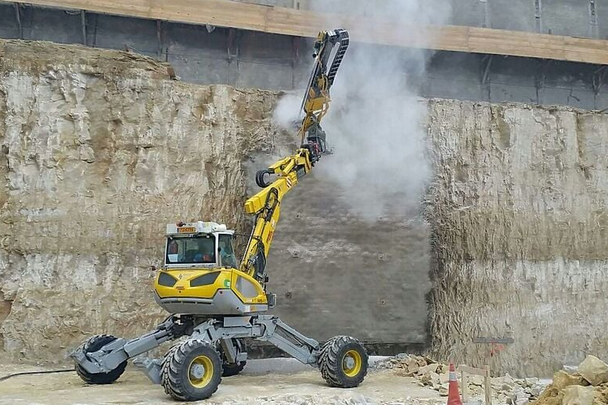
(274, 381)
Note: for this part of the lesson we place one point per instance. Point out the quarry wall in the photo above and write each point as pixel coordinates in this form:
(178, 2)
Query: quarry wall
(100, 149)
(518, 214)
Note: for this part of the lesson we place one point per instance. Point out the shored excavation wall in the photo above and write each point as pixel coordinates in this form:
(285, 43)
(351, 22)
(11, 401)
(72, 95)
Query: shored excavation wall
(100, 149)
(519, 224)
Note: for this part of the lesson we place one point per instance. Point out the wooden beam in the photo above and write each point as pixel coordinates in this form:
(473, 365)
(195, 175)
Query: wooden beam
(300, 23)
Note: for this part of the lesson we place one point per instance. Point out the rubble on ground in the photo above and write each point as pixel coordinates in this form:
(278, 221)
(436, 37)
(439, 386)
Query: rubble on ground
(593, 370)
(588, 385)
(585, 385)
(433, 374)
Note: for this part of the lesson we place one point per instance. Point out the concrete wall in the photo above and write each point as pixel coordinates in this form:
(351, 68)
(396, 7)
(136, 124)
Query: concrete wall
(584, 18)
(468, 12)
(240, 58)
(250, 59)
(566, 17)
(8, 21)
(468, 77)
(559, 17)
(516, 15)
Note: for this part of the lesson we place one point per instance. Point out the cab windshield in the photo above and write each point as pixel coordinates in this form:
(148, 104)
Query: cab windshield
(191, 250)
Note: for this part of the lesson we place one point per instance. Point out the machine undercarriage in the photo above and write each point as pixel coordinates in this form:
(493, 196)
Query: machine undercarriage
(215, 347)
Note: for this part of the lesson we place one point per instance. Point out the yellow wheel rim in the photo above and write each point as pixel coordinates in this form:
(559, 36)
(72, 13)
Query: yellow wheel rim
(200, 371)
(351, 363)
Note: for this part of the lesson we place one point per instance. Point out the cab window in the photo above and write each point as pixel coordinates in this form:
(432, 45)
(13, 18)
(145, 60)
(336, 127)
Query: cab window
(227, 256)
(191, 250)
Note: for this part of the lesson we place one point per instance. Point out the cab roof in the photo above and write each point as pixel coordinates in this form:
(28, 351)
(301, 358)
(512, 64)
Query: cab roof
(182, 228)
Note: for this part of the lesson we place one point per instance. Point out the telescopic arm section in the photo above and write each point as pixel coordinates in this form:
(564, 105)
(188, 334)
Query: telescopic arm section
(329, 50)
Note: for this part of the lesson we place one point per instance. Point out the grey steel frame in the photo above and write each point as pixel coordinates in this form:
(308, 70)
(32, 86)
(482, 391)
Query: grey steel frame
(215, 331)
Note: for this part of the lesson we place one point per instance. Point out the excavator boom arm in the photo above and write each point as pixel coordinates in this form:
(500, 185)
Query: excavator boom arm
(266, 204)
(316, 98)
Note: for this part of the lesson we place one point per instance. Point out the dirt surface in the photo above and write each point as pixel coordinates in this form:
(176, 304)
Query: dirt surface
(260, 383)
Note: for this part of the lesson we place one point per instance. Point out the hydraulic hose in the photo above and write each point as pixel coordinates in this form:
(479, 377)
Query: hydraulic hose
(6, 377)
(259, 178)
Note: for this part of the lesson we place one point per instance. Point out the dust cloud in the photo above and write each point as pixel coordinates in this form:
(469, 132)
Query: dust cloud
(375, 123)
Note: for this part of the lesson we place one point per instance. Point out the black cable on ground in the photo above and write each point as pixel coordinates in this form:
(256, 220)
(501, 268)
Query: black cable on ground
(6, 377)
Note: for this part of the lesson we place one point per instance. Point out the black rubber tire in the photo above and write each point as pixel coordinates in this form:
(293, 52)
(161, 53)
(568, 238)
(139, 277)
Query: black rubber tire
(331, 358)
(92, 345)
(175, 370)
(233, 368)
(164, 373)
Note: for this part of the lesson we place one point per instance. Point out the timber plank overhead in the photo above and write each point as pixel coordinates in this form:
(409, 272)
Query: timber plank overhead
(286, 21)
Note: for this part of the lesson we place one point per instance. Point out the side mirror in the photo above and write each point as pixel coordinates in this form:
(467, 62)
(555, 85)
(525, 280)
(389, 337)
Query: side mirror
(153, 268)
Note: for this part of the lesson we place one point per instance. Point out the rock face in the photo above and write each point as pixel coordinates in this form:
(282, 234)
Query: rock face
(518, 218)
(100, 149)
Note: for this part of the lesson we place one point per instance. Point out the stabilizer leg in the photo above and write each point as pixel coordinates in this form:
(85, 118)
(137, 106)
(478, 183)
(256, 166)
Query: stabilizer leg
(102, 355)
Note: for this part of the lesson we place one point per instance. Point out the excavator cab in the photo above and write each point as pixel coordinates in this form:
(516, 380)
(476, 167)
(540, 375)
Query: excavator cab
(199, 246)
(201, 276)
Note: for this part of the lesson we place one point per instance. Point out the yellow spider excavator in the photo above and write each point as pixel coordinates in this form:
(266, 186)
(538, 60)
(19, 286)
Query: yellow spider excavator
(217, 304)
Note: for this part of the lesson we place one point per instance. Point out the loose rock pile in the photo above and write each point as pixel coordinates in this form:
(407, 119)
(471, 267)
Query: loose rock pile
(427, 371)
(587, 386)
(435, 375)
